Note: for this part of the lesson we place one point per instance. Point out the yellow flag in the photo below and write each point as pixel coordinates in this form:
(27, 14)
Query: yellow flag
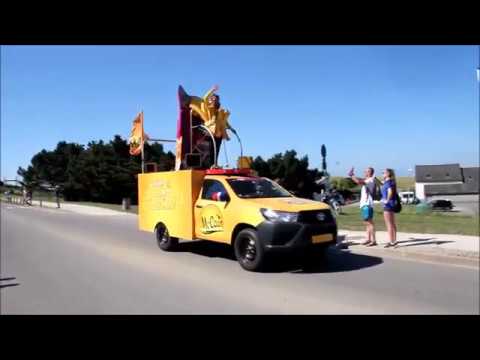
(137, 136)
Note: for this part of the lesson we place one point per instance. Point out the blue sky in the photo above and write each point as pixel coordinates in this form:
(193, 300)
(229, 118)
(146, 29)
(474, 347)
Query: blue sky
(385, 106)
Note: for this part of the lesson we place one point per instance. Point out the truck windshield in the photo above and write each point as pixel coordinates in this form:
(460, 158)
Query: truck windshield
(257, 188)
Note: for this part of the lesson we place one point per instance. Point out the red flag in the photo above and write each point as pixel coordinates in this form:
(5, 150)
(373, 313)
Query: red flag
(183, 128)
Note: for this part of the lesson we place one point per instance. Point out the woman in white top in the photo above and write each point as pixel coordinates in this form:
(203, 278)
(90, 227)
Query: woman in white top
(366, 203)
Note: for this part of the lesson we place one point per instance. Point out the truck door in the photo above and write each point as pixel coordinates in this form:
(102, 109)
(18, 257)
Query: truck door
(209, 211)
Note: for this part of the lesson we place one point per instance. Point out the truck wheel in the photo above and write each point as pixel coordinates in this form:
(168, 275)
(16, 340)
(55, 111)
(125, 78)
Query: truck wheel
(248, 250)
(164, 240)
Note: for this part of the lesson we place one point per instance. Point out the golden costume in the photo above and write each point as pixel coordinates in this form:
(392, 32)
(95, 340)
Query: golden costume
(216, 120)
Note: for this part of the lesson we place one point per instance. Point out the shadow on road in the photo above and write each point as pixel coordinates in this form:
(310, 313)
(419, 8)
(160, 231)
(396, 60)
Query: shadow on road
(8, 285)
(335, 261)
(422, 241)
(207, 248)
(427, 243)
(407, 243)
(416, 239)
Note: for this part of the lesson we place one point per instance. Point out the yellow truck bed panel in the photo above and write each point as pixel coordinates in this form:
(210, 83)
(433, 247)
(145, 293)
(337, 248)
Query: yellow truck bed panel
(169, 197)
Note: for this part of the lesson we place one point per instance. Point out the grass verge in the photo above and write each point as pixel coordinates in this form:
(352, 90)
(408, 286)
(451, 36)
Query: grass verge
(410, 222)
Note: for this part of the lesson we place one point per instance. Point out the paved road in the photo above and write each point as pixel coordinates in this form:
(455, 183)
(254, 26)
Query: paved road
(465, 204)
(58, 262)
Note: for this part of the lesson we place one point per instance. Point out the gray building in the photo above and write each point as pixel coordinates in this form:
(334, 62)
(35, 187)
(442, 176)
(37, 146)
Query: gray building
(446, 179)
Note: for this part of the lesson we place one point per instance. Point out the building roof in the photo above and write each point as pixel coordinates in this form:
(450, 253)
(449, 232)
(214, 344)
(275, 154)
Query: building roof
(438, 173)
(469, 176)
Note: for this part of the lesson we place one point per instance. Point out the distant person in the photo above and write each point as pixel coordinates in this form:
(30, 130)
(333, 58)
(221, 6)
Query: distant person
(29, 197)
(366, 202)
(389, 191)
(57, 196)
(9, 194)
(24, 196)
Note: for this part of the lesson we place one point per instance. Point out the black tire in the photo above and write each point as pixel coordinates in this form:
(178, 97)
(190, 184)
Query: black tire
(249, 251)
(164, 240)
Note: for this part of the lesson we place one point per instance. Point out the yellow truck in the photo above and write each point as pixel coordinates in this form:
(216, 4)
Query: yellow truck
(253, 214)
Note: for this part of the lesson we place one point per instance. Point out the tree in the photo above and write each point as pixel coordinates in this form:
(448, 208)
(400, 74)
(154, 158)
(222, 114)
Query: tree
(104, 172)
(343, 184)
(261, 167)
(291, 172)
(49, 166)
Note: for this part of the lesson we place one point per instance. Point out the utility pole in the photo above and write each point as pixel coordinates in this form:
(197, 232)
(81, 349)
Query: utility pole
(324, 156)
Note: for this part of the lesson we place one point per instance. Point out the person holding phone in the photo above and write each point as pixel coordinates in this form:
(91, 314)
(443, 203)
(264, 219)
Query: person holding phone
(366, 202)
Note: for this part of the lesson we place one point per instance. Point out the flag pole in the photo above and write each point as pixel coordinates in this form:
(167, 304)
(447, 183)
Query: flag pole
(143, 143)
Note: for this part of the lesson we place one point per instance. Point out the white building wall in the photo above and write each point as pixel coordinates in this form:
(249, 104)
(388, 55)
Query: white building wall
(420, 187)
(420, 191)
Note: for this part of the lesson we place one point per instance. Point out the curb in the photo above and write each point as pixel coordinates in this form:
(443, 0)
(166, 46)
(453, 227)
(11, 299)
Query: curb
(53, 206)
(472, 261)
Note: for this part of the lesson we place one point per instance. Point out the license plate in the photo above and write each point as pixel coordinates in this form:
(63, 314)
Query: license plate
(321, 238)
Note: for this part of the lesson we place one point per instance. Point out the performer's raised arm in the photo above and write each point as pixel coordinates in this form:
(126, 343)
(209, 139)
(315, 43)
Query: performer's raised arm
(210, 92)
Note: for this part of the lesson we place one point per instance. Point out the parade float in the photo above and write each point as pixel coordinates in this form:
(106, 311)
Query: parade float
(200, 200)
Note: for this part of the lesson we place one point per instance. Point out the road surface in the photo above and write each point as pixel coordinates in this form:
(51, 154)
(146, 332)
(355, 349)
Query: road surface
(59, 262)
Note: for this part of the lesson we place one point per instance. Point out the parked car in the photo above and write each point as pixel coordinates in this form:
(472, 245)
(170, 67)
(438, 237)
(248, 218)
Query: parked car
(408, 197)
(441, 204)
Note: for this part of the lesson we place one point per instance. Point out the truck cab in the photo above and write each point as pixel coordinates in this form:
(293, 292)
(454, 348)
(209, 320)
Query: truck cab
(253, 214)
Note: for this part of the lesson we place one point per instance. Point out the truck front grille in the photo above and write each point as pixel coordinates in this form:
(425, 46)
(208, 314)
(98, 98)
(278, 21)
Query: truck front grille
(316, 217)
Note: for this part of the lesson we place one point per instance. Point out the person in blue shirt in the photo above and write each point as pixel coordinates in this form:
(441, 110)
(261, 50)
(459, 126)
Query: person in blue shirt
(389, 189)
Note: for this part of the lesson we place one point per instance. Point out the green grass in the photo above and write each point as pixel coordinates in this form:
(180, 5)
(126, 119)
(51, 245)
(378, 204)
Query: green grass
(37, 194)
(404, 183)
(409, 221)
(51, 198)
(133, 208)
(16, 191)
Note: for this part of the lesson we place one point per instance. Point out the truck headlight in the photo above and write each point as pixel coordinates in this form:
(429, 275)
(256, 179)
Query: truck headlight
(279, 216)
